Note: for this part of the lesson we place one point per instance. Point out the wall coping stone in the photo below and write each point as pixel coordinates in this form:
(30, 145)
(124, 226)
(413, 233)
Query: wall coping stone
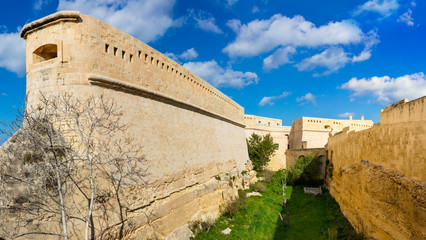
(58, 16)
(132, 88)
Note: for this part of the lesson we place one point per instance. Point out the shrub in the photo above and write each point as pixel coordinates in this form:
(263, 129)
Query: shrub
(306, 170)
(260, 150)
(330, 170)
(258, 187)
(240, 203)
(267, 175)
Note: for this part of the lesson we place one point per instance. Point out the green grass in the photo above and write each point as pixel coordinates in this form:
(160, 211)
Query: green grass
(310, 217)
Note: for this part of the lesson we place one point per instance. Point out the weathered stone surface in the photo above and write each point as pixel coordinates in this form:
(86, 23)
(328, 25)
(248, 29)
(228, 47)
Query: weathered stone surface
(226, 231)
(189, 131)
(383, 197)
(254, 194)
(381, 203)
(182, 233)
(313, 190)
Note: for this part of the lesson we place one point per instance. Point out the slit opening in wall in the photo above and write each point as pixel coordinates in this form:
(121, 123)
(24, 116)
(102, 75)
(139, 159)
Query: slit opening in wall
(123, 54)
(115, 51)
(45, 52)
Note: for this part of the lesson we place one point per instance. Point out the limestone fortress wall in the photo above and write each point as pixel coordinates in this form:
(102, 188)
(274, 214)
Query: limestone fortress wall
(379, 173)
(193, 135)
(189, 131)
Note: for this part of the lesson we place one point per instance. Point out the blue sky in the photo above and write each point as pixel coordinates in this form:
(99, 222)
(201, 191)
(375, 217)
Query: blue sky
(277, 58)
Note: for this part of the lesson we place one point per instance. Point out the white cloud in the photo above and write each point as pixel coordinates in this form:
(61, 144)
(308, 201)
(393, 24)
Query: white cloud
(370, 40)
(4, 94)
(147, 20)
(307, 98)
(383, 7)
(38, 4)
(386, 89)
(186, 55)
(259, 36)
(232, 2)
(189, 54)
(234, 24)
(208, 24)
(270, 100)
(364, 55)
(255, 9)
(406, 18)
(346, 115)
(12, 53)
(332, 59)
(172, 56)
(278, 58)
(220, 77)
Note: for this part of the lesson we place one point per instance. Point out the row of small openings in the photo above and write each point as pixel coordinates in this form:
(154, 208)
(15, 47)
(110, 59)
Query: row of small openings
(248, 118)
(360, 125)
(337, 123)
(315, 121)
(164, 67)
(269, 123)
(116, 53)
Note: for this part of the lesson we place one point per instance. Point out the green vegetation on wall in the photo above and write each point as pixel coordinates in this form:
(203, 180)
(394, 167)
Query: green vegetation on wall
(306, 170)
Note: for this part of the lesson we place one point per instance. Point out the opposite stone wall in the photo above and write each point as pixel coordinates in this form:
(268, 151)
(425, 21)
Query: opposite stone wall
(379, 174)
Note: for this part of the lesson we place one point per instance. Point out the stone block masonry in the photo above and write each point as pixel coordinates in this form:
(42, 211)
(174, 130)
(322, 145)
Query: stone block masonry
(189, 131)
(379, 173)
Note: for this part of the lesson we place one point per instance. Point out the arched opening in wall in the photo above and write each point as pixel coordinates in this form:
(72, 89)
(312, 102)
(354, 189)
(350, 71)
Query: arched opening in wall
(45, 52)
(327, 127)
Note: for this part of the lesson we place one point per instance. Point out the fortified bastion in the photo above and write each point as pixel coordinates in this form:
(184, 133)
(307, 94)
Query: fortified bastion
(189, 131)
(379, 177)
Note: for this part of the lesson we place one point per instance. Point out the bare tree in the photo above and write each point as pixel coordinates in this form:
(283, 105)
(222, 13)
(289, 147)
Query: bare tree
(65, 157)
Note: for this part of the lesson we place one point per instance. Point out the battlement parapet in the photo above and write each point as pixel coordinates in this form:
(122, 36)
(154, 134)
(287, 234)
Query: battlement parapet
(404, 111)
(63, 48)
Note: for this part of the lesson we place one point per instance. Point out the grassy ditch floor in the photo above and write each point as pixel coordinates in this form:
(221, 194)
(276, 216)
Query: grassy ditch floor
(310, 217)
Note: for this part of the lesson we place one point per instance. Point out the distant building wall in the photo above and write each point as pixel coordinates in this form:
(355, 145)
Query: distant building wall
(262, 126)
(309, 132)
(379, 173)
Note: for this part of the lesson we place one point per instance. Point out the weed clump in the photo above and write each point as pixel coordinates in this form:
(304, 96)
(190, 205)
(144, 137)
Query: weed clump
(241, 203)
(258, 187)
